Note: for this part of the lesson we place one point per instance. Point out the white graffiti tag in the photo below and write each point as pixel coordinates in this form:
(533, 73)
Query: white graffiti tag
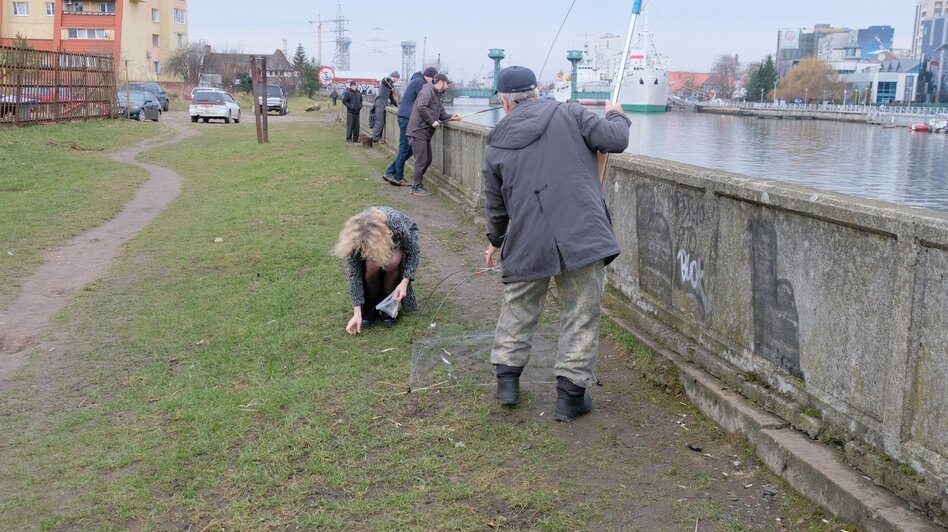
(691, 273)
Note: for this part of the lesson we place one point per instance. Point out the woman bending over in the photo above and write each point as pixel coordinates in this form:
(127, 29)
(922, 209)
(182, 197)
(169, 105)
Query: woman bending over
(381, 246)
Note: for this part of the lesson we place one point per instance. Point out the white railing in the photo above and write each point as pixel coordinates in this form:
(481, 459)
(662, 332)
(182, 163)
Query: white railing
(868, 110)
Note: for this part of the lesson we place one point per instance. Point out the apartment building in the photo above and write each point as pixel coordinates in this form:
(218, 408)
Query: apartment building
(140, 33)
(925, 9)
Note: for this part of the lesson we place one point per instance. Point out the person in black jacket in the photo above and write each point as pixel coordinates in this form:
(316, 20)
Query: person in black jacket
(334, 96)
(545, 207)
(352, 99)
(386, 96)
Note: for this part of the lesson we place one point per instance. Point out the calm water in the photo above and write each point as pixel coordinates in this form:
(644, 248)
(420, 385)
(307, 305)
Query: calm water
(890, 164)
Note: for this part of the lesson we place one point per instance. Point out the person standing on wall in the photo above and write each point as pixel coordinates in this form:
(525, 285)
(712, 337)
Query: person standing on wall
(352, 100)
(426, 116)
(545, 208)
(386, 96)
(395, 173)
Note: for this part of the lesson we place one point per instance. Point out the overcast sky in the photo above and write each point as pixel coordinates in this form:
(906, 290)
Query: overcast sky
(690, 33)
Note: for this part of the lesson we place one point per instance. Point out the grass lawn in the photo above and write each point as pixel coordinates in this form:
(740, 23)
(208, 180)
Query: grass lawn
(208, 385)
(50, 191)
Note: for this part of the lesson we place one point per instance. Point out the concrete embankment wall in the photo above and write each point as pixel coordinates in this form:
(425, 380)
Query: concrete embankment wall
(786, 114)
(828, 310)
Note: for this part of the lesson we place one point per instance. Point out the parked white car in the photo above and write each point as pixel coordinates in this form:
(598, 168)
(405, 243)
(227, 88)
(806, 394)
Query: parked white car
(208, 104)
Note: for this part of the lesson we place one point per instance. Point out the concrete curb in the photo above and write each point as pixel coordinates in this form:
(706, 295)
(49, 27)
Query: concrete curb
(811, 468)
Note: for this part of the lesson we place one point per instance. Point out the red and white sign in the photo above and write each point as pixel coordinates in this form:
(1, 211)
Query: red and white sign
(326, 75)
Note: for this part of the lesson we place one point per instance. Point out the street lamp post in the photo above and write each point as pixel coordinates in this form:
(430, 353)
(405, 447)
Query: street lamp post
(845, 91)
(775, 93)
(806, 93)
(761, 95)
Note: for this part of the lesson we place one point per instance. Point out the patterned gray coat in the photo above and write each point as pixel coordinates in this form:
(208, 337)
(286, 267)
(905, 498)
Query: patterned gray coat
(405, 234)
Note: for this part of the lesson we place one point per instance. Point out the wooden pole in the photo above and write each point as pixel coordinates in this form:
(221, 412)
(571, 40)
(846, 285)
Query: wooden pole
(265, 112)
(255, 95)
(636, 9)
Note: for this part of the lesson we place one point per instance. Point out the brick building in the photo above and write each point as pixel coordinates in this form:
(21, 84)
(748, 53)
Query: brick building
(139, 33)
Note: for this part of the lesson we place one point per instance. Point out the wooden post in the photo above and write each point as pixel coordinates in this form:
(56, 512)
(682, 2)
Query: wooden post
(254, 94)
(265, 112)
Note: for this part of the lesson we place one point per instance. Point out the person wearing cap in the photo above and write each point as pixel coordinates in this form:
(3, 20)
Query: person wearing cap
(386, 95)
(352, 100)
(395, 173)
(546, 211)
(427, 114)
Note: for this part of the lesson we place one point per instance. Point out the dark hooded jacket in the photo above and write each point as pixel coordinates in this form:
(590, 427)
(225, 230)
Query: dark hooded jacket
(410, 94)
(541, 188)
(428, 108)
(386, 92)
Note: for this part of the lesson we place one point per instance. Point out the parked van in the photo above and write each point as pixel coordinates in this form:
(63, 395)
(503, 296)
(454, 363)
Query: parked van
(276, 100)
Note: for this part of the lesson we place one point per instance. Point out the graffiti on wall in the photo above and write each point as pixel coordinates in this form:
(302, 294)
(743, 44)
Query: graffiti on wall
(691, 277)
(776, 322)
(691, 217)
(654, 245)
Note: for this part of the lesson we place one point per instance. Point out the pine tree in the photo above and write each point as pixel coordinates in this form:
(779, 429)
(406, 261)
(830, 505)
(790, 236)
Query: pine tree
(768, 74)
(299, 58)
(761, 82)
(309, 81)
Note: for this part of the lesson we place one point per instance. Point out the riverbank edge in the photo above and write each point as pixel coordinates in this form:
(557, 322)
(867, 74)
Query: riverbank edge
(814, 468)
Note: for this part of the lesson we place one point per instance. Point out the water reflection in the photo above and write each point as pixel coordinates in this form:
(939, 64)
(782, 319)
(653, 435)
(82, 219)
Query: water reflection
(890, 164)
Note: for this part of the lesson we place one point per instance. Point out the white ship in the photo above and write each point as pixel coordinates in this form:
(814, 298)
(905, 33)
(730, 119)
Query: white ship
(645, 87)
(590, 78)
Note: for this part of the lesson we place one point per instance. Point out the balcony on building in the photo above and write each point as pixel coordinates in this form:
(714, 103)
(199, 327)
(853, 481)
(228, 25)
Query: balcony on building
(83, 8)
(88, 14)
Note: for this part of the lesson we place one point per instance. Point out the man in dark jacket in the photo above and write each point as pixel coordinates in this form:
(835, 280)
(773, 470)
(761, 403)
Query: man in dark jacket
(352, 99)
(334, 96)
(427, 115)
(395, 173)
(386, 96)
(545, 207)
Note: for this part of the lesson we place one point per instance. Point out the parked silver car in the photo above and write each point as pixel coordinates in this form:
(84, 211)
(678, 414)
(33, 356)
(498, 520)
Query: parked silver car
(276, 100)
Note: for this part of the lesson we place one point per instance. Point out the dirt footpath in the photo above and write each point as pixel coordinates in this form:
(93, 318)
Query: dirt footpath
(86, 257)
(663, 458)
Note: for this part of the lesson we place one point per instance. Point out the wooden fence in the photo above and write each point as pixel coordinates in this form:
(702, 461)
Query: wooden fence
(39, 86)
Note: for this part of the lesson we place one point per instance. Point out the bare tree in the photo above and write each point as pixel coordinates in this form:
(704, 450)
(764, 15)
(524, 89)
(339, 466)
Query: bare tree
(724, 74)
(187, 63)
(230, 63)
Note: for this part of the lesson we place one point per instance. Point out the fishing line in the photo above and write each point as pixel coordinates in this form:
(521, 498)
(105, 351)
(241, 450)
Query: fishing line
(424, 305)
(557, 36)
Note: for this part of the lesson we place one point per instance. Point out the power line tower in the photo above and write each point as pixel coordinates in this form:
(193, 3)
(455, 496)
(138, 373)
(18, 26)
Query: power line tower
(378, 43)
(408, 58)
(340, 57)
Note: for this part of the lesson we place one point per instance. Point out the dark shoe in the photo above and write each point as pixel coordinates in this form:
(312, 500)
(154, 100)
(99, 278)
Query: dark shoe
(367, 324)
(387, 321)
(390, 179)
(572, 401)
(401, 182)
(508, 384)
(420, 190)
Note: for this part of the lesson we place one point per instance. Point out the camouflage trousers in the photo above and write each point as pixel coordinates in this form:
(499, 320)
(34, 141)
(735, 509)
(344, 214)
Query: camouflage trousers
(580, 293)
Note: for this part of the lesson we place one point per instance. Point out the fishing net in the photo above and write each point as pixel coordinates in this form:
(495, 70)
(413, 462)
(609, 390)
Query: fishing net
(447, 355)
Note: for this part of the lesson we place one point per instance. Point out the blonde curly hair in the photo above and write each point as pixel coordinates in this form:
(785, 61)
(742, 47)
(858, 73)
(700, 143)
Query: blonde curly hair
(366, 235)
